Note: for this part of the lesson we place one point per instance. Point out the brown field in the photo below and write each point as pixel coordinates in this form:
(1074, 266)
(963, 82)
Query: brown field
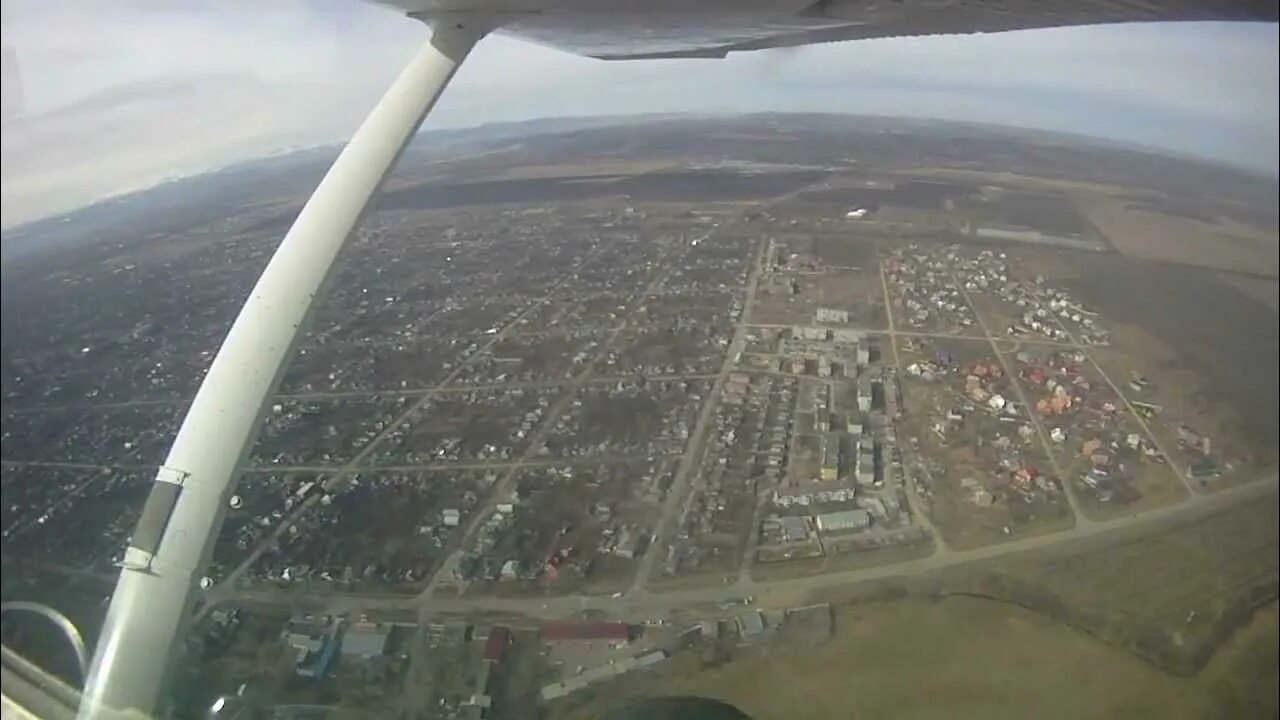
(857, 291)
(1186, 401)
(1263, 290)
(1225, 244)
(1020, 181)
(1171, 596)
(592, 169)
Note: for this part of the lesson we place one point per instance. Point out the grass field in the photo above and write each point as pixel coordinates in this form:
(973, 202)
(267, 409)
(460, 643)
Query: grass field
(1098, 633)
(1224, 245)
(1264, 291)
(1186, 399)
(1171, 597)
(962, 658)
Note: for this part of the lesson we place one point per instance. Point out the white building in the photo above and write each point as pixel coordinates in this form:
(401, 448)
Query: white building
(451, 517)
(846, 335)
(844, 520)
(802, 332)
(830, 315)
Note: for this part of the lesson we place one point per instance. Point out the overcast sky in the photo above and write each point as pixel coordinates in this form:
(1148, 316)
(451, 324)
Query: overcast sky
(103, 98)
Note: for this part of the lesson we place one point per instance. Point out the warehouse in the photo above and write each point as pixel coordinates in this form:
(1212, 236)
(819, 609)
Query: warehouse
(844, 520)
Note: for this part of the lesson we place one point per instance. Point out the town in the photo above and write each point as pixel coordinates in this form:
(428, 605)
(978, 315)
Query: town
(524, 450)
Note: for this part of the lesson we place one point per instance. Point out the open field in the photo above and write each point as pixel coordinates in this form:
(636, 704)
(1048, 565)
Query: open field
(1178, 398)
(1263, 290)
(1107, 635)
(899, 660)
(1221, 244)
(792, 298)
(1207, 327)
(1170, 597)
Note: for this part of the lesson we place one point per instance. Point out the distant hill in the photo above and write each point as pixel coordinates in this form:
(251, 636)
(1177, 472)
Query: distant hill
(191, 202)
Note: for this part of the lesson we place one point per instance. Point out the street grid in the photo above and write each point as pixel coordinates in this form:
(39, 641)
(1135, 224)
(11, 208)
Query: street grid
(642, 598)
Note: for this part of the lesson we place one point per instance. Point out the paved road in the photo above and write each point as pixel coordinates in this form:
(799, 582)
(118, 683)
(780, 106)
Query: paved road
(523, 461)
(914, 502)
(450, 388)
(771, 593)
(940, 335)
(681, 491)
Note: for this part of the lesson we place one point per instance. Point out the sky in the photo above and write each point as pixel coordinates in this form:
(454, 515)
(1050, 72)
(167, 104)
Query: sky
(106, 98)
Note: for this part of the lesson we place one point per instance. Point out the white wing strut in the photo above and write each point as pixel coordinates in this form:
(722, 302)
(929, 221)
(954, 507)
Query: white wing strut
(174, 539)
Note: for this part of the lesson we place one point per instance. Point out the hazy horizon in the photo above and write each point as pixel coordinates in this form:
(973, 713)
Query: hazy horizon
(103, 101)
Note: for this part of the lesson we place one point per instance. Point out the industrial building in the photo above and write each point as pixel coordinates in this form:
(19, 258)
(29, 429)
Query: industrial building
(807, 332)
(314, 643)
(864, 462)
(844, 521)
(365, 640)
(864, 394)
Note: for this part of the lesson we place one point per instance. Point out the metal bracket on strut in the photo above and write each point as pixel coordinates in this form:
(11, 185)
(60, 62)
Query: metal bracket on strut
(154, 519)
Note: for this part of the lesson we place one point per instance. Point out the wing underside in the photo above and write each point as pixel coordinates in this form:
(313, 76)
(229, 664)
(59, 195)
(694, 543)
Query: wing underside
(635, 29)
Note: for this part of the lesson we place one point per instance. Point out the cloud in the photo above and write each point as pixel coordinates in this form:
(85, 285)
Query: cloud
(120, 96)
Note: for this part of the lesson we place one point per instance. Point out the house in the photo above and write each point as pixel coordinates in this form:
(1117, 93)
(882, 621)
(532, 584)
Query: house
(628, 541)
(1204, 469)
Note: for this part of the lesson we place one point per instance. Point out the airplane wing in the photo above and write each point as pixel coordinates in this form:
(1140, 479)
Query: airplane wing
(630, 30)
